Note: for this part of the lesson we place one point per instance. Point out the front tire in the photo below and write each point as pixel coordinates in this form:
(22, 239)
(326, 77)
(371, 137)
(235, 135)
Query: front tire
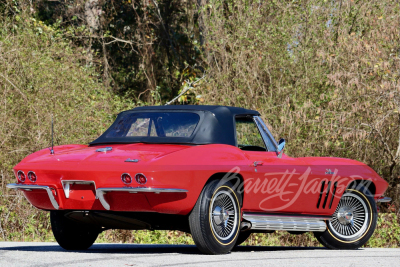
(215, 219)
(71, 235)
(353, 222)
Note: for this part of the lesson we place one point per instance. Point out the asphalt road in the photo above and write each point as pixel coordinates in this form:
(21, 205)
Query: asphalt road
(50, 254)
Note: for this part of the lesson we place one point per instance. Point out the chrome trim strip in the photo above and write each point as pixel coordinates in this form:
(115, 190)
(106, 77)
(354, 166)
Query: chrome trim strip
(286, 222)
(36, 187)
(100, 192)
(384, 200)
(318, 217)
(66, 185)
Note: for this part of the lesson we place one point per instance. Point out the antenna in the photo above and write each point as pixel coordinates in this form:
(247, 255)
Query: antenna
(52, 136)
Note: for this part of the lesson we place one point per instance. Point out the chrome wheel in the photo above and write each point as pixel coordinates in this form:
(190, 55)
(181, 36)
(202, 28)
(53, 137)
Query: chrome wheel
(223, 215)
(353, 222)
(350, 218)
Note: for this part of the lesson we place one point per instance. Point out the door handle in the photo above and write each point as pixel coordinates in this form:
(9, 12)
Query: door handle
(257, 163)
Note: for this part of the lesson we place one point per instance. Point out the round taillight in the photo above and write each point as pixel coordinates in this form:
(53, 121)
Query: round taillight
(21, 176)
(140, 178)
(126, 178)
(32, 176)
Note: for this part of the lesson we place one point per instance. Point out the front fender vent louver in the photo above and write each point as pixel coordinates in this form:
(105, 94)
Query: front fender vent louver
(333, 194)
(320, 194)
(327, 194)
(328, 190)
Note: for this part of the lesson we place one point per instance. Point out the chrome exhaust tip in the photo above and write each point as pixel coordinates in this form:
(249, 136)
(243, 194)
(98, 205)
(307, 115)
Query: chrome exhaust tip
(244, 226)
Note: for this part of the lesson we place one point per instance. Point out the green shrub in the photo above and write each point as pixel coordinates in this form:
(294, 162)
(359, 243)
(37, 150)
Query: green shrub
(43, 76)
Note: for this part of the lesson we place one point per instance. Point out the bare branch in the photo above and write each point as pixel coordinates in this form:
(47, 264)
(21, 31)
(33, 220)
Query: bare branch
(187, 88)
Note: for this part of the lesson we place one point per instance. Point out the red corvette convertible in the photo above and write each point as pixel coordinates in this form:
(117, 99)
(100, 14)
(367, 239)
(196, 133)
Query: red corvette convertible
(213, 171)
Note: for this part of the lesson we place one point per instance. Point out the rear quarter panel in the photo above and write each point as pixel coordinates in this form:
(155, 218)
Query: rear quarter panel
(190, 169)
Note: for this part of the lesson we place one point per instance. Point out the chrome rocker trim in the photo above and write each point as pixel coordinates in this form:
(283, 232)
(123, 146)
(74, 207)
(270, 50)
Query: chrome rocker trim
(284, 222)
(36, 187)
(100, 192)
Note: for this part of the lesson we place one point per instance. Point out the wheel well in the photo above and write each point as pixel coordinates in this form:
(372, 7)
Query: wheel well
(365, 183)
(235, 178)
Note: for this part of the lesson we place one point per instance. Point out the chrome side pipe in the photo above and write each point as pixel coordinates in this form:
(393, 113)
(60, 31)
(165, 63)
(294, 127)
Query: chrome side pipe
(266, 222)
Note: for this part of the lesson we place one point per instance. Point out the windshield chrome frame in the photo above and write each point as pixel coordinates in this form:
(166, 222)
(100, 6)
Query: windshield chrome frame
(265, 133)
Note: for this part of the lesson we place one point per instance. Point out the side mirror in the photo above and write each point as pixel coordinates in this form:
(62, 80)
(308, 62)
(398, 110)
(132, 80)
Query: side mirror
(281, 146)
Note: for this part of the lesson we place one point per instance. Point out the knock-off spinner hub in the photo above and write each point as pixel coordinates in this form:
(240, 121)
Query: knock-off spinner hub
(220, 215)
(345, 215)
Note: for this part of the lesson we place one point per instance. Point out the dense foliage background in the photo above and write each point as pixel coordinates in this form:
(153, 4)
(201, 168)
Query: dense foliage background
(324, 74)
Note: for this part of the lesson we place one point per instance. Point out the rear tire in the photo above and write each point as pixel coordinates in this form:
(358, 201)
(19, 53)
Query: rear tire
(353, 222)
(215, 220)
(71, 235)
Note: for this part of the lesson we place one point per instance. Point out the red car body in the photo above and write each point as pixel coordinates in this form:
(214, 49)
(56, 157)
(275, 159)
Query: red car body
(155, 165)
(185, 167)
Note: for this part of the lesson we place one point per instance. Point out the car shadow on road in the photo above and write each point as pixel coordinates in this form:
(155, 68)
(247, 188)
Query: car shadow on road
(144, 249)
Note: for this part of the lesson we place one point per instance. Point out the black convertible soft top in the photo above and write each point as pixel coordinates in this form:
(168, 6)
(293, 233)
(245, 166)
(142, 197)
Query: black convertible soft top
(216, 125)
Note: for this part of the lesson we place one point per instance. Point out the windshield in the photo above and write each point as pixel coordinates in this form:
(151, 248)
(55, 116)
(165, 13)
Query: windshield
(154, 124)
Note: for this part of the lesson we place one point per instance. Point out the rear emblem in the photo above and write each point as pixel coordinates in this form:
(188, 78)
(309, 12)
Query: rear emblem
(104, 149)
(132, 160)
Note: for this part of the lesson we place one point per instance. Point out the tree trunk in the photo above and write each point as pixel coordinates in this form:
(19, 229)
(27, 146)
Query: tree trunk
(92, 15)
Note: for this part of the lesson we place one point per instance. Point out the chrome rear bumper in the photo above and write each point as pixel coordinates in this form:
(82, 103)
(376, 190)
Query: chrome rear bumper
(37, 187)
(100, 192)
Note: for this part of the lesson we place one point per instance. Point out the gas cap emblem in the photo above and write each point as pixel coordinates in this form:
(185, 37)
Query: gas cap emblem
(104, 149)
